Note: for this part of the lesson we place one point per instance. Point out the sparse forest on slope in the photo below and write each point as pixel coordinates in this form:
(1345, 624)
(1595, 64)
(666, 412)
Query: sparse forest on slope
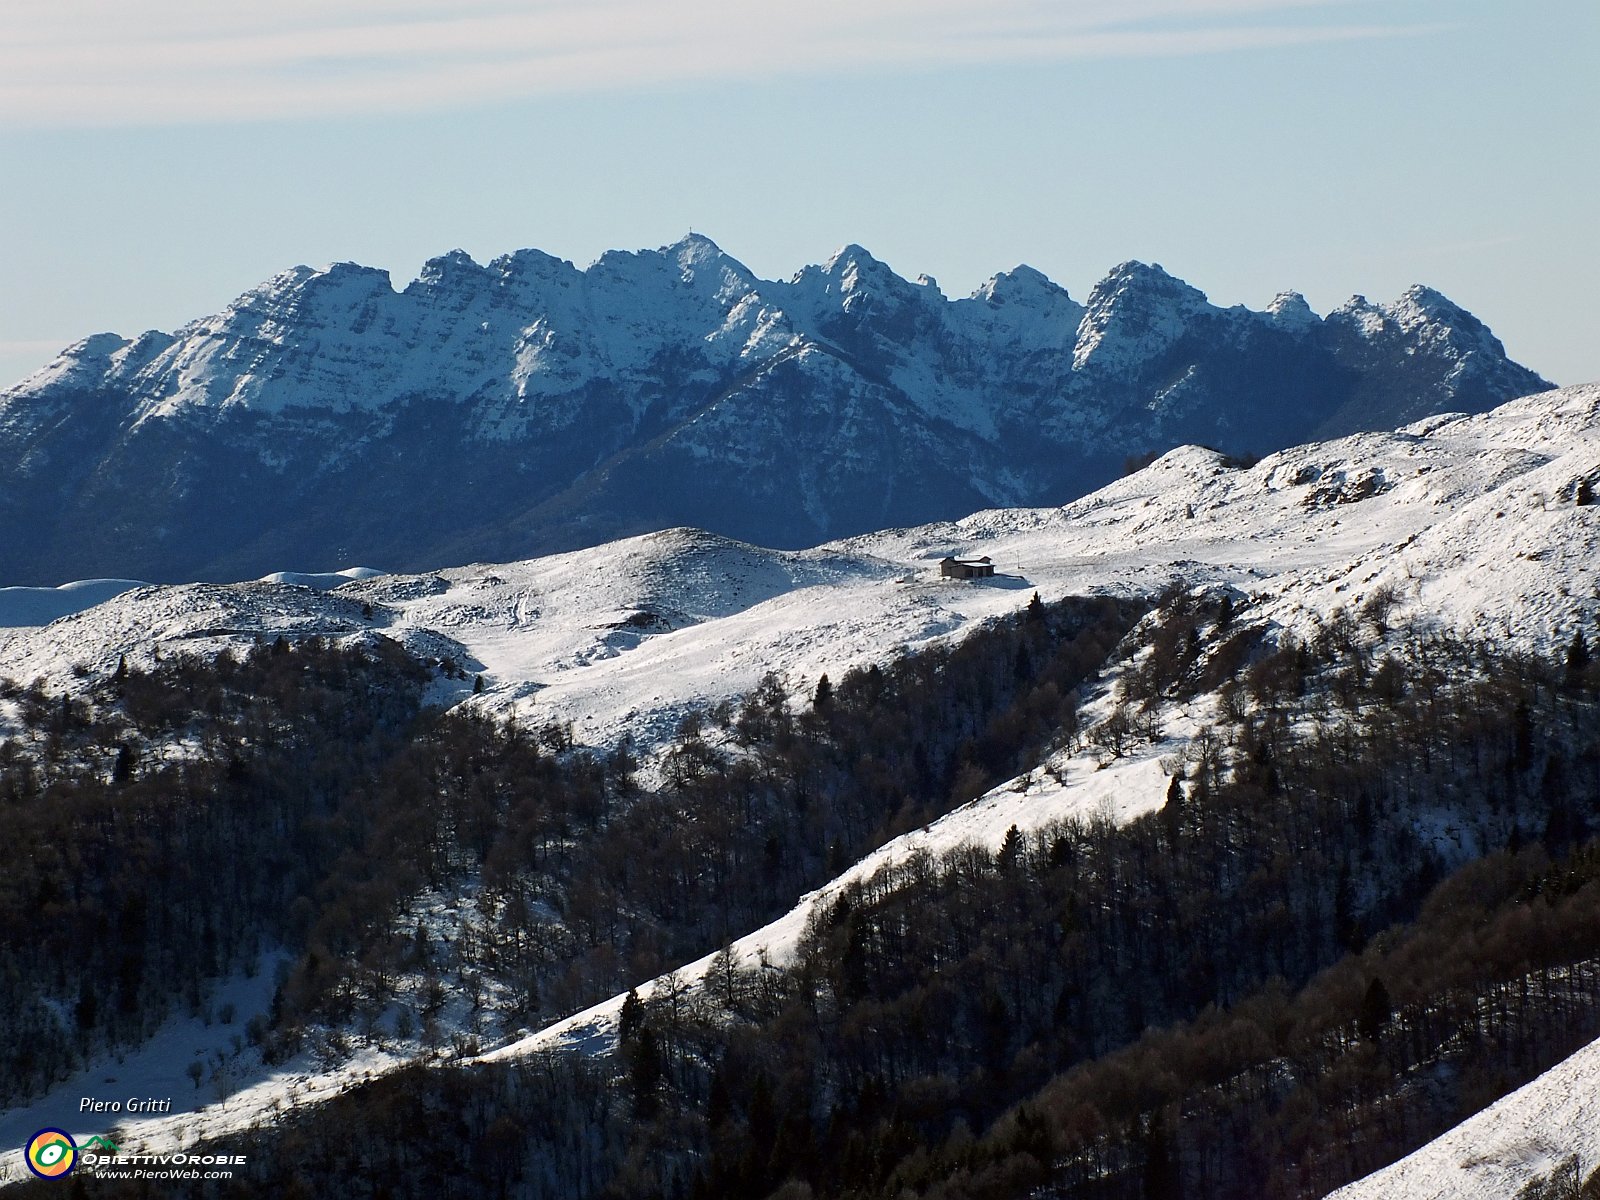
(1368, 907)
(299, 796)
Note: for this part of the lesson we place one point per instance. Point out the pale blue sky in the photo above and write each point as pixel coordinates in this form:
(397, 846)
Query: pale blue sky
(158, 158)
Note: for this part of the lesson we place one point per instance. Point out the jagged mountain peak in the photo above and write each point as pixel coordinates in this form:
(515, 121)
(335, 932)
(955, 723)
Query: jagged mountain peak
(852, 272)
(530, 262)
(455, 267)
(1022, 283)
(1420, 311)
(694, 264)
(1419, 305)
(81, 364)
(852, 255)
(1140, 278)
(318, 295)
(531, 405)
(695, 247)
(1361, 315)
(1289, 310)
(1134, 314)
(1022, 309)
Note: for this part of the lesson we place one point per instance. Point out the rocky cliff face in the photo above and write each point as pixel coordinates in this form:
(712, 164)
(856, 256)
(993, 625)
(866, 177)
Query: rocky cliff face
(526, 406)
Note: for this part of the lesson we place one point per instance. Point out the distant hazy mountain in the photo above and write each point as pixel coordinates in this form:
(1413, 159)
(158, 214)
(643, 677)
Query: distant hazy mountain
(528, 406)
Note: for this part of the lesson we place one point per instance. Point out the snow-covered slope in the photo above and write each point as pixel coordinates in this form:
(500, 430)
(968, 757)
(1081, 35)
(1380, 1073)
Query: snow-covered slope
(498, 411)
(1494, 1154)
(41, 605)
(1065, 788)
(1468, 520)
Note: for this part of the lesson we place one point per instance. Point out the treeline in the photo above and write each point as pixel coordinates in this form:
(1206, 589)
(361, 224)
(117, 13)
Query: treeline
(160, 829)
(298, 796)
(1369, 907)
(995, 991)
(1278, 1094)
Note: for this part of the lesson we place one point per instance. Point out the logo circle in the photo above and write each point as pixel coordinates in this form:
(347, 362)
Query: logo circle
(52, 1153)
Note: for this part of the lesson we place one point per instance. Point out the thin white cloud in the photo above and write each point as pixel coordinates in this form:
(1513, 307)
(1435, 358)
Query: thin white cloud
(107, 62)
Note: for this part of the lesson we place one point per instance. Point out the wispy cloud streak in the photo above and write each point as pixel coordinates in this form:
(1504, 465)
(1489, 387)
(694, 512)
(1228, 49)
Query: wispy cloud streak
(108, 62)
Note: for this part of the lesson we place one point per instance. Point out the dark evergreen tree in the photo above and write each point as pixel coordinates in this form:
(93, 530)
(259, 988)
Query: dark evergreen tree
(1172, 810)
(645, 1069)
(631, 1017)
(1375, 1010)
(122, 769)
(1011, 848)
(1577, 659)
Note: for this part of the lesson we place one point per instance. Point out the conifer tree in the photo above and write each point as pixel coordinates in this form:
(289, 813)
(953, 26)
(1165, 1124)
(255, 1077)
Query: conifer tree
(1375, 1010)
(1011, 848)
(1577, 659)
(1172, 811)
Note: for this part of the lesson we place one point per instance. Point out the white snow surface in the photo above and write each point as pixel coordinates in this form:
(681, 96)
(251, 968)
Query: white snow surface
(1494, 1154)
(234, 1085)
(41, 605)
(521, 343)
(322, 581)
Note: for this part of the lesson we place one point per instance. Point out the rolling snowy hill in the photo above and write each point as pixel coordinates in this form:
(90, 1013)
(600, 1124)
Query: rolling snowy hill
(1519, 1139)
(1469, 520)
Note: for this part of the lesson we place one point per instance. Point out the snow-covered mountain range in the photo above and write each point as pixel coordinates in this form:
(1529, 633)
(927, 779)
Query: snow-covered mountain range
(527, 406)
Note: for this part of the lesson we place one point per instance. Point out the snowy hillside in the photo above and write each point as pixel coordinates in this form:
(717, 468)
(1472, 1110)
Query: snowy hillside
(1299, 531)
(1495, 1154)
(1478, 523)
(41, 605)
(526, 406)
(1068, 787)
(1469, 521)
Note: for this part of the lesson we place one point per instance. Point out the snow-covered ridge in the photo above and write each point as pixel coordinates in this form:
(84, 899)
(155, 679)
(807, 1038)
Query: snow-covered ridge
(1471, 521)
(523, 406)
(322, 581)
(302, 338)
(41, 605)
(1496, 1153)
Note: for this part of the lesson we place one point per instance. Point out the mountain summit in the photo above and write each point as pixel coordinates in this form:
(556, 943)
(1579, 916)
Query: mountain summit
(525, 406)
